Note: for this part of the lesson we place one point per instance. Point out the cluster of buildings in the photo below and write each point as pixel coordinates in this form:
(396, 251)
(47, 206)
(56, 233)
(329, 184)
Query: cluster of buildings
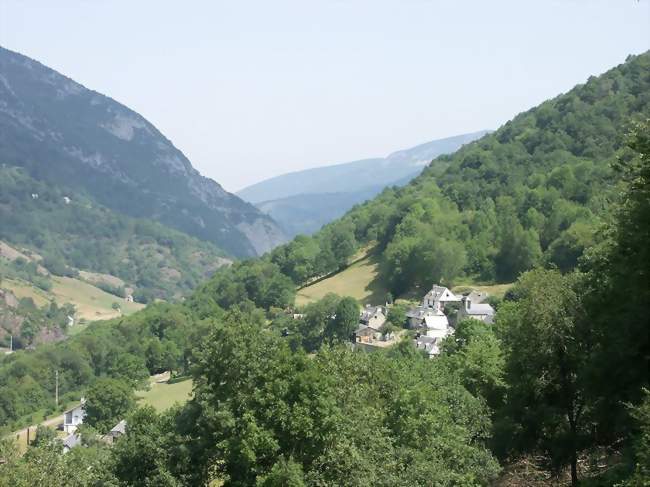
(74, 417)
(433, 319)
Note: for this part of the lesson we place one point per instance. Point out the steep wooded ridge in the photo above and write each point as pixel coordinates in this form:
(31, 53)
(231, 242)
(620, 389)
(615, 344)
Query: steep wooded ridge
(533, 192)
(63, 133)
(303, 201)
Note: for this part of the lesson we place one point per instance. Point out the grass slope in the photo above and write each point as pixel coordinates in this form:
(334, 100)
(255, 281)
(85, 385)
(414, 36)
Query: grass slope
(162, 395)
(359, 280)
(91, 302)
(496, 290)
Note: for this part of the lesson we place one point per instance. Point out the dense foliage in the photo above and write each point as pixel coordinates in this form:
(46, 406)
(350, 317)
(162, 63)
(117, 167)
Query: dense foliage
(577, 346)
(256, 282)
(107, 402)
(157, 261)
(533, 192)
(129, 349)
(26, 324)
(263, 414)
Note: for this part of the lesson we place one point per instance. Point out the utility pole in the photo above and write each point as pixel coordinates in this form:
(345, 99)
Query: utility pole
(56, 390)
(11, 343)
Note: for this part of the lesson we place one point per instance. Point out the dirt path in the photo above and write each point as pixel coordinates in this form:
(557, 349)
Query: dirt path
(21, 435)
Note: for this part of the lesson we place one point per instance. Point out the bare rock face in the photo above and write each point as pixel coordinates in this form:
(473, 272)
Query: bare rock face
(65, 133)
(262, 235)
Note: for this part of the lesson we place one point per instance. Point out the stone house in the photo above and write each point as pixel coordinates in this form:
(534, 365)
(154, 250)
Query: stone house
(373, 316)
(478, 311)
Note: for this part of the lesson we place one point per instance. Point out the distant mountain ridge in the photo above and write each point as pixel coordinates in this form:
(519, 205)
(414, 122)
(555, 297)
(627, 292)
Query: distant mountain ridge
(303, 201)
(63, 133)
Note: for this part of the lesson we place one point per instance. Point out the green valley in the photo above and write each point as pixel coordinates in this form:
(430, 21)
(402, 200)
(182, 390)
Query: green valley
(524, 363)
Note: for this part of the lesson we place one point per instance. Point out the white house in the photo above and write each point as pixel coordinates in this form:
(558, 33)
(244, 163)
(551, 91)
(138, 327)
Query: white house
(437, 325)
(72, 418)
(432, 305)
(478, 311)
(438, 296)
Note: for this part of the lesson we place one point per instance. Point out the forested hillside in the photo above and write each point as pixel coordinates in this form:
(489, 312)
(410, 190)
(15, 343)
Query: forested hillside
(71, 232)
(303, 201)
(64, 134)
(533, 192)
(552, 385)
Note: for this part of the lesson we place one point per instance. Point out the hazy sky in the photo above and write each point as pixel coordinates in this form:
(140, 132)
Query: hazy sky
(253, 89)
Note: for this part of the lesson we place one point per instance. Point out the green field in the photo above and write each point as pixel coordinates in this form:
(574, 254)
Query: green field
(91, 302)
(22, 289)
(162, 395)
(359, 281)
(496, 290)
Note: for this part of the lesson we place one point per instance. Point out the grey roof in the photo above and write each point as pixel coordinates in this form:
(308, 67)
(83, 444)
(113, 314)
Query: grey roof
(419, 312)
(477, 296)
(366, 329)
(441, 293)
(119, 427)
(71, 441)
(480, 309)
(369, 311)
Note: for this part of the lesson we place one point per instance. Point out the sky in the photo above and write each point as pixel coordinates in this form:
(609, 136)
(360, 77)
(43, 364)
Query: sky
(253, 89)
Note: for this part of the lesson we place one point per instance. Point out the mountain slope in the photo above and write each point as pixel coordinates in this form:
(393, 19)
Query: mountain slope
(349, 177)
(302, 202)
(66, 134)
(307, 213)
(72, 233)
(533, 192)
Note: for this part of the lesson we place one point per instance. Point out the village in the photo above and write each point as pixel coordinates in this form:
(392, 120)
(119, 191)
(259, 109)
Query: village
(433, 320)
(426, 325)
(67, 427)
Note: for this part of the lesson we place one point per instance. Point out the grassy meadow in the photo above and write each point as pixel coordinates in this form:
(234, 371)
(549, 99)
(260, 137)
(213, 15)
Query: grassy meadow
(91, 302)
(162, 395)
(360, 281)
